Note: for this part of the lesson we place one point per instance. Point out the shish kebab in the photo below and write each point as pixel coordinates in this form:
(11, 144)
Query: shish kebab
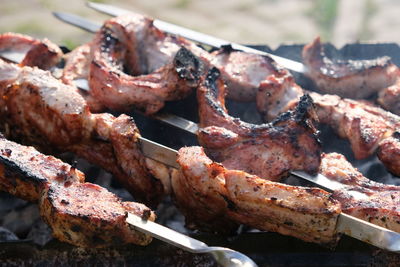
(359, 229)
(170, 118)
(151, 150)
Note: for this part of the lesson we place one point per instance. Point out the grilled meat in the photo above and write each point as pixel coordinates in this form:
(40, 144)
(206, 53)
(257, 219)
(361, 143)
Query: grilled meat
(77, 67)
(211, 195)
(269, 150)
(88, 215)
(243, 72)
(42, 110)
(82, 214)
(25, 173)
(368, 128)
(351, 79)
(135, 64)
(389, 98)
(40, 53)
(362, 198)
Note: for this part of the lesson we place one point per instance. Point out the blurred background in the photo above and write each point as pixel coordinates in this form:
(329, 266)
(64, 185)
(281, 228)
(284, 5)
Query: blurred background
(270, 22)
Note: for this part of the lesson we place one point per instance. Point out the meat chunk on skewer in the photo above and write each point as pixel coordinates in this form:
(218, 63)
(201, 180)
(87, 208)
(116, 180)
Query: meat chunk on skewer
(135, 64)
(82, 214)
(389, 98)
(42, 110)
(269, 150)
(368, 128)
(243, 72)
(212, 196)
(351, 79)
(362, 198)
(40, 53)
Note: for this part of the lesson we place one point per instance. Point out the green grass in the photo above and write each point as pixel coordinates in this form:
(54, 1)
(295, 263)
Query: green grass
(181, 4)
(30, 27)
(369, 11)
(324, 13)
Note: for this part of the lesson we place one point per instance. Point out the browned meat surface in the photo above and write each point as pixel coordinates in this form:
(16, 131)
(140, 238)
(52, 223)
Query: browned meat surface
(41, 110)
(389, 152)
(77, 67)
(389, 98)
(270, 150)
(215, 197)
(79, 213)
(370, 201)
(243, 72)
(135, 64)
(367, 127)
(276, 95)
(40, 53)
(88, 215)
(351, 79)
(25, 173)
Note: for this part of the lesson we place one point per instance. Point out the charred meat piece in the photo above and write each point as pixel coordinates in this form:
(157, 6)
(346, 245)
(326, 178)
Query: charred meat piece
(25, 173)
(270, 150)
(389, 152)
(135, 64)
(351, 79)
(368, 128)
(276, 95)
(389, 98)
(88, 215)
(43, 111)
(362, 198)
(79, 213)
(243, 72)
(207, 193)
(40, 53)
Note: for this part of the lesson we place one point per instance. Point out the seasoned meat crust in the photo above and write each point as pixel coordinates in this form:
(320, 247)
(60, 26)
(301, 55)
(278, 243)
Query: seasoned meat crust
(270, 150)
(213, 197)
(40, 53)
(362, 198)
(41, 110)
(350, 79)
(82, 214)
(135, 64)
(244, 72)
(389, 98)
(368, 128)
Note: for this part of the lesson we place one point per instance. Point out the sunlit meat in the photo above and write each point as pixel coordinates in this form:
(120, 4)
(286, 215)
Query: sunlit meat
(82, 214)
(243, 72)
(351, 79)
(40, 53)
(365, 199)
(136, 65)
(214, 197)
(270, 150)
(389, 98)
(38, 109)
(368, 128)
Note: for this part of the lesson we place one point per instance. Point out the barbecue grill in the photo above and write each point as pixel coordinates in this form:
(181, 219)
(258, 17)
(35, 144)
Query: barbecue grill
(267, 249)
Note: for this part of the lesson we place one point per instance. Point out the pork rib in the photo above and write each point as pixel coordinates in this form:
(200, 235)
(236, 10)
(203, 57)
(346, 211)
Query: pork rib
(40, 53)
(350, 79)
(82, 214)
(213, 197)
(269, 150)
(42, 110)
(135, 64)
